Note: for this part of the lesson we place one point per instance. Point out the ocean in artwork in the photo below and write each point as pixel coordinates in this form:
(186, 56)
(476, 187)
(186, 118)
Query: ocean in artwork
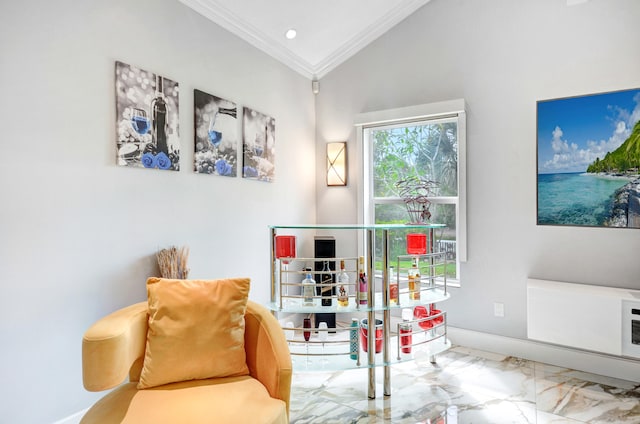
(589, 160)
(576, 198)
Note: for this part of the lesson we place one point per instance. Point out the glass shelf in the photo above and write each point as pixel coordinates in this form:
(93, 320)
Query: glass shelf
(427, 348)
(312, 356)
(294, 304)
(358, 226)
(334, 355)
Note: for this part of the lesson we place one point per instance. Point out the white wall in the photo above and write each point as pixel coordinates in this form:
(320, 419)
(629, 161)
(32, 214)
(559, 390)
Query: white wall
(501, 56)
(78, 234)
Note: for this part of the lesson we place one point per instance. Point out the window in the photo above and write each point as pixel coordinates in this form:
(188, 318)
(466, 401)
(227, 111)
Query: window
(425, 142)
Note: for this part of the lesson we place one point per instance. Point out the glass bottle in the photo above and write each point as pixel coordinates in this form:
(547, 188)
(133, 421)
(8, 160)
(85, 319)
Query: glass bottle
(362, 283)
(215, 137)
(228, 111)
(414, 281)
(393, 287)
(308, 289)
(353, 339)
(160, 122)
(343, 280)
(326, 288)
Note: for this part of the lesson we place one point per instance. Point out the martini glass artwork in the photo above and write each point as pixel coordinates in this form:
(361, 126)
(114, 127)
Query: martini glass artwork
(215, 137)
(140, 121)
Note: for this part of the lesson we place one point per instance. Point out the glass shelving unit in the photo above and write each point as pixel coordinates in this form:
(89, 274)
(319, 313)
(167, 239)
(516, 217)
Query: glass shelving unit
(332, 352)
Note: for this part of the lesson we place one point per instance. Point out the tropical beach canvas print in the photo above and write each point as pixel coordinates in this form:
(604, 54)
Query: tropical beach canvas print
(589, 160)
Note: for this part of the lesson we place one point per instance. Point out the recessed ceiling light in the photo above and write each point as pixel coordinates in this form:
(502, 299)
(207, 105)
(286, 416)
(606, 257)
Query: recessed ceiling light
(291, 34)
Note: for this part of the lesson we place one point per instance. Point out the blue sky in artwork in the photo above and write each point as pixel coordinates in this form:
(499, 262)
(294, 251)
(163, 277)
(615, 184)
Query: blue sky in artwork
(573, 132)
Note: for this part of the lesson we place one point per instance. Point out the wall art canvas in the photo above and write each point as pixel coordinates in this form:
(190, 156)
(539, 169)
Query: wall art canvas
(216, 135)
(588, 150)
(146, 119)
(258, 145)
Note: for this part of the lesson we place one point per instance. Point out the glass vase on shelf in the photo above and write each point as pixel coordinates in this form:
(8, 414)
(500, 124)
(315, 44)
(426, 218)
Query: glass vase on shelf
(416, 244)
(285, 250)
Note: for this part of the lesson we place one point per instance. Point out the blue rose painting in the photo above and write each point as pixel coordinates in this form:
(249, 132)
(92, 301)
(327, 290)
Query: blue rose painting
(146, 119)
(216, 135)
(258, 145)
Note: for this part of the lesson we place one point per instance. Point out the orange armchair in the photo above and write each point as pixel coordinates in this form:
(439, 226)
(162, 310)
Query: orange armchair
(114, 347)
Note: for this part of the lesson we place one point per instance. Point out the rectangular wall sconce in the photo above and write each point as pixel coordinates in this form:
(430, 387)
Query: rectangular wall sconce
(337, 164)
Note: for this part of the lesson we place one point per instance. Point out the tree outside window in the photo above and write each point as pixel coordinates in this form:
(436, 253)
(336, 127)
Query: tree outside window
(425, 150)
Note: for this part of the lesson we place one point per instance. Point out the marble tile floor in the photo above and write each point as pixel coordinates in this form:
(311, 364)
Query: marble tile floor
(466, 386)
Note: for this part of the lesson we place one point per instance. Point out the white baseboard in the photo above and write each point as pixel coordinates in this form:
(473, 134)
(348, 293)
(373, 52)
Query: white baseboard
(73, 419)
(596, 363)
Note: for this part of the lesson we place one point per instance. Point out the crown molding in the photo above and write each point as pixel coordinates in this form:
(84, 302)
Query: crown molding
(216, 12)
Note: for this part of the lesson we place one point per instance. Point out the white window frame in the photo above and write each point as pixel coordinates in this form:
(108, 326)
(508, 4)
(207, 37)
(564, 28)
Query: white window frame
(404, 116)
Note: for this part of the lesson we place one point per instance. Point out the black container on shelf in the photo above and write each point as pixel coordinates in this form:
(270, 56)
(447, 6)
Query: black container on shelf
(325, 247)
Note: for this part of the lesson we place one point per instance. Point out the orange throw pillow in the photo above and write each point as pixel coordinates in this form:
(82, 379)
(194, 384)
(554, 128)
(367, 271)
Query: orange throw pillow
(196, 330)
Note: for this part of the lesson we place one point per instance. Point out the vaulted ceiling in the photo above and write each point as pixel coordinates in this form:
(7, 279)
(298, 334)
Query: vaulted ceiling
(328, 31)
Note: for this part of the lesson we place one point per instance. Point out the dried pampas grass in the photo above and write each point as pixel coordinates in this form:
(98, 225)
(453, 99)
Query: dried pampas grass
(173, 262)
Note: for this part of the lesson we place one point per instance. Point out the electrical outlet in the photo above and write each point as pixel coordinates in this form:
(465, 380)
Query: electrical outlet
(498, 309)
